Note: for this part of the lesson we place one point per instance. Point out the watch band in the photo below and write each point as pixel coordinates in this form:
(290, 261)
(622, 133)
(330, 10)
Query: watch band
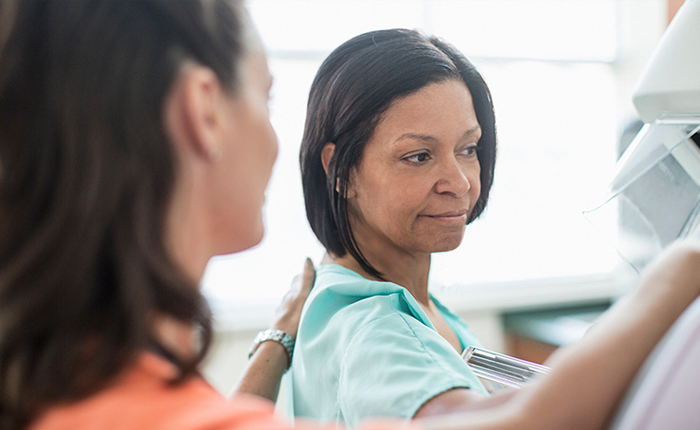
(275, 335)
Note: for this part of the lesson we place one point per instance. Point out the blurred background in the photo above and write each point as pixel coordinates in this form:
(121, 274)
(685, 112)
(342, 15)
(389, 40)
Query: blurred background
(532, 273)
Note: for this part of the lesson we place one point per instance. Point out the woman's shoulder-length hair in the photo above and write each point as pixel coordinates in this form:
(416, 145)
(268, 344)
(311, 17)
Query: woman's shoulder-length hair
(87, 171)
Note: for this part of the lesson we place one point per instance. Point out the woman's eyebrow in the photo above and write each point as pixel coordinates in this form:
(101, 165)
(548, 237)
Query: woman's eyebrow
(429, 138)
(472, 131)
(417, 136)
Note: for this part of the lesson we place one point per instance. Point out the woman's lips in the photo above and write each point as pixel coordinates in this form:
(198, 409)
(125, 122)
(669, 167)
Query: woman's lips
(451, 216)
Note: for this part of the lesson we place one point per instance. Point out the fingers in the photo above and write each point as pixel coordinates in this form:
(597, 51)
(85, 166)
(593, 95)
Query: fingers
(302, 283)
(305, 279)
(309, 275)
(289, 311)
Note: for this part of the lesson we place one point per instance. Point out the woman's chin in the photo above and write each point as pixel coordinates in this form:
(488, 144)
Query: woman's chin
(245, 240)
(447, 244)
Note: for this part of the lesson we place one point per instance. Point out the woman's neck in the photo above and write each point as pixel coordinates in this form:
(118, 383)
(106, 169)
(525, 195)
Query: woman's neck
(409, 272)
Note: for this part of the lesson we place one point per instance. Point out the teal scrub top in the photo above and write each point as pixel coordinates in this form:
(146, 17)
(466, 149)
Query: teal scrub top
(367, 349)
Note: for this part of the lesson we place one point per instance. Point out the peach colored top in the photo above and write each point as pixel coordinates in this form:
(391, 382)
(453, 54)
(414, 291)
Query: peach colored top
(141, 399)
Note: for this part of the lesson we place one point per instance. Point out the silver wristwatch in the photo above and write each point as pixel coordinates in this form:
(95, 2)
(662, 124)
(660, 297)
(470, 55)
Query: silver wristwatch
(275, 335)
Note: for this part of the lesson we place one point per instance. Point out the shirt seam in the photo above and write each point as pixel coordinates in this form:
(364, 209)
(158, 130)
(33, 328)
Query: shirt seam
(420, 341)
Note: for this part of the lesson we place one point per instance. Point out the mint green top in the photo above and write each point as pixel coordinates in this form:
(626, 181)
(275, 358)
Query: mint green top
(366, 349)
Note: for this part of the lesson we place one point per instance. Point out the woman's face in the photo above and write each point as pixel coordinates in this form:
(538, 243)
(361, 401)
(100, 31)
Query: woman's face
(248, 157)
(418, 178)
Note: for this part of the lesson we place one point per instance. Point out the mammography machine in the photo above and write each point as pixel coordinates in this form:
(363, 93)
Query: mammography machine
(657, 196)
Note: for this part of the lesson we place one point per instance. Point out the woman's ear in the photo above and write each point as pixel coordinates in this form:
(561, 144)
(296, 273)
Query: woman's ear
(194, 114)
(326, 155)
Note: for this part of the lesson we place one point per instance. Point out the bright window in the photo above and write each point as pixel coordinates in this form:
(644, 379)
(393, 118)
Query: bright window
(559, 72)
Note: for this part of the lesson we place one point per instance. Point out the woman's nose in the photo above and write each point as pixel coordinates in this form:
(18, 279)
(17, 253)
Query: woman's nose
(453, 178)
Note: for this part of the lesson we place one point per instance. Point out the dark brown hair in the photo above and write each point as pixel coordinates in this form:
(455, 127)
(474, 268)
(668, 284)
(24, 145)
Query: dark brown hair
(86, 175)
(354, 86)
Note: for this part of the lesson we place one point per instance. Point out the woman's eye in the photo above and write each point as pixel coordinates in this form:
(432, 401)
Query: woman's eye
(470, 151)
(418, 158)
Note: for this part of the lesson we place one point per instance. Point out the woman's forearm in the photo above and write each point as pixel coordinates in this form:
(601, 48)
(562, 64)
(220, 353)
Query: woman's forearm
(264, 372)
(270, 360)
(588, 379)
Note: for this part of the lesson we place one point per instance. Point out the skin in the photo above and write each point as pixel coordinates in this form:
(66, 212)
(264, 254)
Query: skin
(414, 188)
(586, 385)
(264, 373)
(226, 148)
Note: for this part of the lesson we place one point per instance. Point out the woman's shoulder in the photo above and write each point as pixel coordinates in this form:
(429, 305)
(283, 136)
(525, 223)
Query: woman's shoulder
(143, 398)
(340, 282)
(342, 293)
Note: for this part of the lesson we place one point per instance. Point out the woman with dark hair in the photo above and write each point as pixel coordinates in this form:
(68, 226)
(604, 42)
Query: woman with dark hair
(352, 90)
(135, 144)
(397, 158)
